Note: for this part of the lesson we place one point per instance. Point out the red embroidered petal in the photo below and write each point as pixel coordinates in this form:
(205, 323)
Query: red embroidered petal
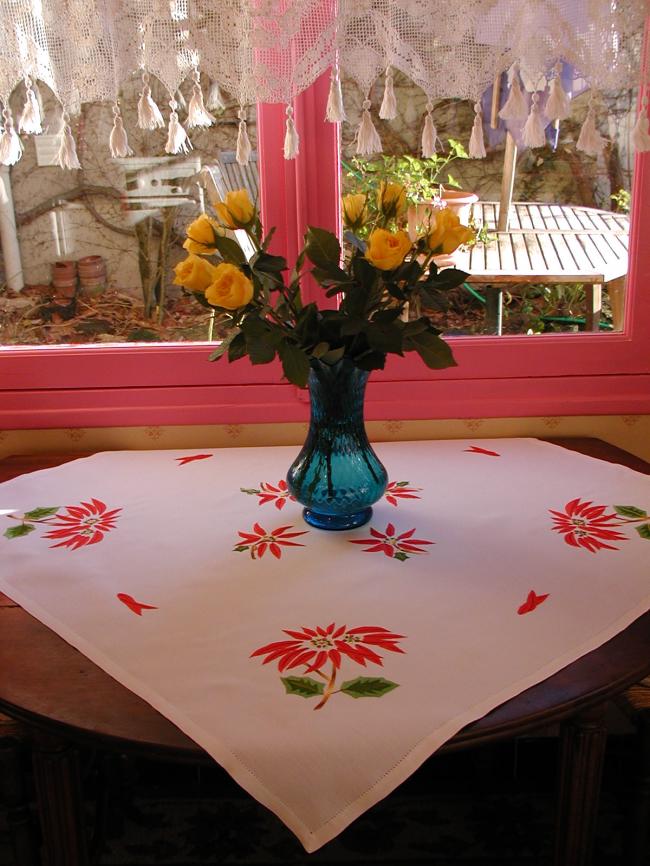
(282, 645)
(275, 550)
(259, 529)
(279, 504)
(390, 529)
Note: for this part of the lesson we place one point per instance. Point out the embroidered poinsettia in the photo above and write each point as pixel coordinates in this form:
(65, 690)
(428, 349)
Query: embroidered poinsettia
(83, 524)
(586, 525)
(391, 544)
(312, 648)
(400, 490)
(259, 540)
(279, 494)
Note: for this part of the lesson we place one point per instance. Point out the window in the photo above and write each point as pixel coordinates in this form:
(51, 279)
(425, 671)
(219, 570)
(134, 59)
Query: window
(496, 376)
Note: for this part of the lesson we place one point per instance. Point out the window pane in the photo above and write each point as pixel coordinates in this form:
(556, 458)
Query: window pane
(560, 263)
(98, 246)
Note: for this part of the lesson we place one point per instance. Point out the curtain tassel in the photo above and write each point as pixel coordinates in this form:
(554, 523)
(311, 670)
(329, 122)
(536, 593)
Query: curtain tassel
(243, 153)
(368, 141)
(335, 112)
(177, 140)
(11, 147)
(149, 116)
(197, 114)
(117, 141)
(67, 155)
(476, 139)
(429, 134)
(291, 138)
(534, 134)
(388, 110)
(215, 100)
(515, 107)
(590, 141)
(558, 104)
(29, 122)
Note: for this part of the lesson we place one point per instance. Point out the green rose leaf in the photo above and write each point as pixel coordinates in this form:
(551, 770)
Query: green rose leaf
(268, 264)
(236, 348)
(448, 278)
(322, 248)
(17, 531)
(295, 363)
(368, 687)
(40, 513)
(435, 353)
(229, 250)
(304, 687)
(644, 531)
(630, 511)
(385, 338)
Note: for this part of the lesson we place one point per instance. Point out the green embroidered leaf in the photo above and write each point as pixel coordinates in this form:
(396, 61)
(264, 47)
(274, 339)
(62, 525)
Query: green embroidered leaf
(368, 687)
(304, 687)
(240, 548)
(249, 490)
(17, 531)
(401, 555)
(644, 530)
(630, 511)
(39, 513)
(402, 483)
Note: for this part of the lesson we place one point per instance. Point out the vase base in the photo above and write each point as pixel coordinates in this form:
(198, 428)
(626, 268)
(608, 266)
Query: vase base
(336, 522)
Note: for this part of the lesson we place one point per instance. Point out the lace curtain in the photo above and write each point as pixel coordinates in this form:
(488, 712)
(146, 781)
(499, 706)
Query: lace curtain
(271, 50)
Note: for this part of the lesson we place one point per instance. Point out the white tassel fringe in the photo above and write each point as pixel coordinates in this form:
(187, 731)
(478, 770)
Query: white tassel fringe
(177, 140)
(197, 115)
(244, 149)
(67, 155)
(590, 141)
(335, 112)
(11, 148)
(640, 135)
(117, 141)
(215, 100)
(291, 138)
(388, 110)
(29, 122)
(515, 107)
(149, 115)
(429, 134)
(476, 140)
(558, 104)
(368, 141)
(533, 134)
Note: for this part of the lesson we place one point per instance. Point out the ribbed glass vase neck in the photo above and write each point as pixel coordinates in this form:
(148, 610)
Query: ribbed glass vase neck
(337, 392)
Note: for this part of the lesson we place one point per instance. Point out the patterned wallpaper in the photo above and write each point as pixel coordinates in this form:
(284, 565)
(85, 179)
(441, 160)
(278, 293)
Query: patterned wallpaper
(631, 432)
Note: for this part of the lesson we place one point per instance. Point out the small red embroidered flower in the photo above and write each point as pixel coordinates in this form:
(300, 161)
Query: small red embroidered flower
(183, 461)
(475, 449)
(259, 540)
(271, 493)
(532, 601)
(400, 490)
(83, 524)
(136, 606)
(313, 647)
(395, 546)
(586, 525)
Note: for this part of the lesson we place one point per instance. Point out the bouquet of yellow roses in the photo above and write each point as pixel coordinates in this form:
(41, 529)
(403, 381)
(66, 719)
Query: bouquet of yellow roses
(381, 273)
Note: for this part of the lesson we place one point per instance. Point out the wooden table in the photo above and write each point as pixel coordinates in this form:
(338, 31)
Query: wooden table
(66, 701)
(550, 243)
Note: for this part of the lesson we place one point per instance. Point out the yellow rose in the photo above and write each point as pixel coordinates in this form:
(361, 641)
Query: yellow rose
(194, 273)
(237, 211)
(447, 232)
(391, 199)
(229, 288)
(200, 235)
(355, 212)
(386, 250)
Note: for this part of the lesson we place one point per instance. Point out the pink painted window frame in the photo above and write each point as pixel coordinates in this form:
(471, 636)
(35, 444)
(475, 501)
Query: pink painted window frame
(510, 376)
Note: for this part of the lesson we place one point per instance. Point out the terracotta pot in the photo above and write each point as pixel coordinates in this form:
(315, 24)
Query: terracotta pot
(64, 279)
(92, 275)
(460, 202)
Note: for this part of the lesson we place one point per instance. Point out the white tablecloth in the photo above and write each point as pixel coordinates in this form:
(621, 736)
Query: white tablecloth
(320, 669)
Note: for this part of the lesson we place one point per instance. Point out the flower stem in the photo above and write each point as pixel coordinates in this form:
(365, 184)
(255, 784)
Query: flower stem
(329, 689)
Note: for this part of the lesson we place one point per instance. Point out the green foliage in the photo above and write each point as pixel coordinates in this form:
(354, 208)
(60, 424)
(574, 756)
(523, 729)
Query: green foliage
(622, 198)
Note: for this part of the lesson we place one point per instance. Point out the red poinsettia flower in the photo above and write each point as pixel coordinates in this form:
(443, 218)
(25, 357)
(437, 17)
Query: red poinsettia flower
(313, 647)
(584, 524)
(395, 546)
(279, 494)
(259, 540)
(400, 490)
(83, 524)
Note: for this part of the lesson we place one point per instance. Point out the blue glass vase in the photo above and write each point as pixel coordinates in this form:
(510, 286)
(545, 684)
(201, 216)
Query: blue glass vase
(337, 476)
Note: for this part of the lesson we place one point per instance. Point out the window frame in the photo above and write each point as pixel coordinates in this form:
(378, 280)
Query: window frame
(507, 376)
